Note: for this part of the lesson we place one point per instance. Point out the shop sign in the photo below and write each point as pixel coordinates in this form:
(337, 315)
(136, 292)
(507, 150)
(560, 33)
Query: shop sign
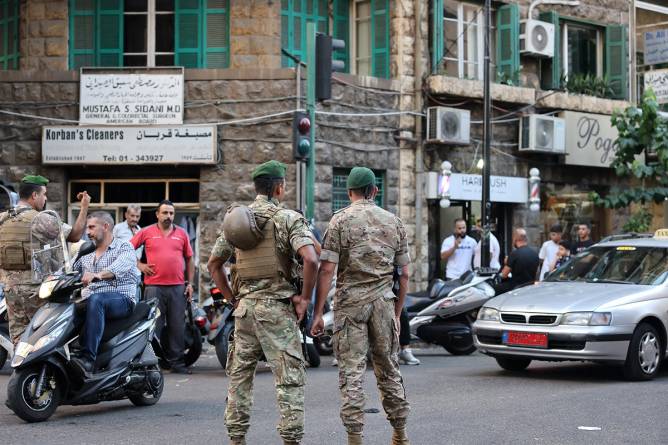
(131, 99)
(656, 47)
(591, 140)
(179, 144)
(465, 187)
(658, 81)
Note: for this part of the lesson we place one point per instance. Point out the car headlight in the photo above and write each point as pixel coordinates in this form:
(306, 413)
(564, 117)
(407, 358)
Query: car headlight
(587, 318)
(488, 314)
(46, 289)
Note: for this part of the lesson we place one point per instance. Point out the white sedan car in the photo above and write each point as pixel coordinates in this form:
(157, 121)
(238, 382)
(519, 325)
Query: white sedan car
(608, 304)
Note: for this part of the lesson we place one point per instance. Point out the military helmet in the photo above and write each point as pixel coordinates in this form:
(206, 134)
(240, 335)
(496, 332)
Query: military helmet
(240, 228)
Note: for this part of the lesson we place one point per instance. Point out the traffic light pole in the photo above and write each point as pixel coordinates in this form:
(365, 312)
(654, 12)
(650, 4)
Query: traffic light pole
(486, 205)
(310, 109)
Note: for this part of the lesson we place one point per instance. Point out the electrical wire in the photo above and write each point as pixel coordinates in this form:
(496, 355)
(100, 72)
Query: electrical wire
(35, 116)
(372, 90)
(391, 113)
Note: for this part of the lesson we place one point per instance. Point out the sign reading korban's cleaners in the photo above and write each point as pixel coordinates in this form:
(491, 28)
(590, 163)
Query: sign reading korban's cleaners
(115, 97)
(178, 144)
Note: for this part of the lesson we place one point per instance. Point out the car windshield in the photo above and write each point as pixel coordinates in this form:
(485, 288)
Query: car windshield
(616, 264)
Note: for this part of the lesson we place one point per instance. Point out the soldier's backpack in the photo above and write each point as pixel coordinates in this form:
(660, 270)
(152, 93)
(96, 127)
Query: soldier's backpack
(15, 247)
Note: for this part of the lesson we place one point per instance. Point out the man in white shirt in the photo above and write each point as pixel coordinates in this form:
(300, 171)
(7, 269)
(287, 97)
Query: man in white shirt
(494, 250)
(457, 250)
(548, 252)
(127, 229)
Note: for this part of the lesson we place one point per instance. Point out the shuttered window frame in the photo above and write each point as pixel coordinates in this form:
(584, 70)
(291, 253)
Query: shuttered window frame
(617, 60)
(296, 11)
(508, 43)
(203, 54)
(9, 30)
(340, 191)
(341, 30)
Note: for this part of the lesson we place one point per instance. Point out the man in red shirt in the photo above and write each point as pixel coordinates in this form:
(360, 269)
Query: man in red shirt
(168, 255)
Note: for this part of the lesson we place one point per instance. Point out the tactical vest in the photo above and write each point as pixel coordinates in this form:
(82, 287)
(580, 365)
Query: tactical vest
(15, 240)
(264, 260)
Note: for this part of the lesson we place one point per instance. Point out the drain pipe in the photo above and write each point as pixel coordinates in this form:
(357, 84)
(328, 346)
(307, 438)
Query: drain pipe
(419, 152)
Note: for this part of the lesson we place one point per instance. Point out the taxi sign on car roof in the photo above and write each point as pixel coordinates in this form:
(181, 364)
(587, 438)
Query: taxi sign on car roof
(661, 234)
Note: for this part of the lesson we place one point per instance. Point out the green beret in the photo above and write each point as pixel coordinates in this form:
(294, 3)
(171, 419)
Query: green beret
(360, 177)
(273, 169)
(35, 179)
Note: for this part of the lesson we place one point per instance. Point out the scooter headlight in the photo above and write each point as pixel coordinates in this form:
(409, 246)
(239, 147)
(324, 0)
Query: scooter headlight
(50, 338)
(46, 289)
(488, 314)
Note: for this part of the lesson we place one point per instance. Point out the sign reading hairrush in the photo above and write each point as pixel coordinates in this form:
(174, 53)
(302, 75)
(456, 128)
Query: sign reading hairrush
(591, 140)
(658, 81)
(502, 188)
(110, 98)
(129, 145)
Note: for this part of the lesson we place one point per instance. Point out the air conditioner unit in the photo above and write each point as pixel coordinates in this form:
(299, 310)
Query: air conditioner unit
(448, 125)
(537, 38)
(543, 134)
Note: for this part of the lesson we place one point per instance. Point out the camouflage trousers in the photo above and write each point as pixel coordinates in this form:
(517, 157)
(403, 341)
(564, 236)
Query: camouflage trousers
(356, 330)
(266, 327)
(22, 303)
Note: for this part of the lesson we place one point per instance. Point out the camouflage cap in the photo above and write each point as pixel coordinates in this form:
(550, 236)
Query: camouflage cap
(35, 179)
(272, 169)
(360, 177)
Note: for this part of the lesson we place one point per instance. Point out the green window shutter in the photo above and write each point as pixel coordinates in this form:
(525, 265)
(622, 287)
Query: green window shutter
(550, 69)
(294, 16)
(82, 33)
(216, 34)
(508, 42)
(341, 16)
(616, 59)
(436, 33)
(380, 38)
(9, 34)
(188, 39)
(110, 33)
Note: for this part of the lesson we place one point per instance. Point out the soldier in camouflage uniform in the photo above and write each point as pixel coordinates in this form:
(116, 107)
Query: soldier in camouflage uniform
(15, 248)
(269, 308)
(367, 243)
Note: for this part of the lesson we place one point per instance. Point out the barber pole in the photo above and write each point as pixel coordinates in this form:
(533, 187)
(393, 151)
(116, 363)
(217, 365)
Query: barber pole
(534, 189)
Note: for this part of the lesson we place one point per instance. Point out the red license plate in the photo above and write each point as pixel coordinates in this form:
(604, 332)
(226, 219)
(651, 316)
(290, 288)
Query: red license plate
(533, 339)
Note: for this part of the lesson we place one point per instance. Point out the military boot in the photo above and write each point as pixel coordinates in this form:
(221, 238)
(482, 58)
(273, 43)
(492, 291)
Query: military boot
(237, 440)
(399, 437)
(354, 439)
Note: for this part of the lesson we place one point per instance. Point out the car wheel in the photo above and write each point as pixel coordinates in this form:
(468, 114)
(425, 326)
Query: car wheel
(644, 355)
(513, 364)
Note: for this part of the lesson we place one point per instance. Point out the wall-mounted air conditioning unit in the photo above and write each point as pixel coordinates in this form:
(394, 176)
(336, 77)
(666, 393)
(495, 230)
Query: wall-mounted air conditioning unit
(543, 134)
(537, 38)
(448, 125)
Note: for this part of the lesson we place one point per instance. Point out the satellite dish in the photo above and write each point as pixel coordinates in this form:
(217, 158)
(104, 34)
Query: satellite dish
(539, 38)
(450, 125)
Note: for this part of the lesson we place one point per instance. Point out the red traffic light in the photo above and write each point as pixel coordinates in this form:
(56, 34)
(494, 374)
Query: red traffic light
(304, 125)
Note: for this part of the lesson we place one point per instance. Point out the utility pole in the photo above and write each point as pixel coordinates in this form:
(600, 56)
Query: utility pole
(486, 205)
(310, 110)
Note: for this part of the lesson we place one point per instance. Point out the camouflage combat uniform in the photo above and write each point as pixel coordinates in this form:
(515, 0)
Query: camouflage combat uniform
(265, 322)
(367, 242)
(20, 287)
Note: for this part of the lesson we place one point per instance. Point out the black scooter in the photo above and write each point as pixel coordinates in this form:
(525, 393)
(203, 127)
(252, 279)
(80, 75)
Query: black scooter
(44, 375)
(6, 345)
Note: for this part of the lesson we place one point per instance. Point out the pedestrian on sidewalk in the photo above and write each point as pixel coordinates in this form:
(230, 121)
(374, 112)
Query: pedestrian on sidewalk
(168, 258)
(584, 240)
(124, 231)
(521, 266)
(366, 243)
(548, 251)
(457, 251)
(563, 255)
(266, 320)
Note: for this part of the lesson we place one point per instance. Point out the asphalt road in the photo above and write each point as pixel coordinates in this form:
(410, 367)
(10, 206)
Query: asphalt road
(455, 400)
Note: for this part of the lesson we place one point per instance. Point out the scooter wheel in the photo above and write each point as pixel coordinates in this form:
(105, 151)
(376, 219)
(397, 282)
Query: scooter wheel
(313, 356)
(153, 390)
(3, 357)
(223, 342)
(21, 394)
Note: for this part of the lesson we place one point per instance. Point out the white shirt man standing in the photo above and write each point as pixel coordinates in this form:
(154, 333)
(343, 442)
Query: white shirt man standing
(548, 251)
(457, 250)
(494, 250)
(125, 230)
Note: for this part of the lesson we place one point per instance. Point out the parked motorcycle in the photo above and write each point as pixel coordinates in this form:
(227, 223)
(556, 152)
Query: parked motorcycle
(6, 345)
(445, 315)
(44, 375)
(192, 336)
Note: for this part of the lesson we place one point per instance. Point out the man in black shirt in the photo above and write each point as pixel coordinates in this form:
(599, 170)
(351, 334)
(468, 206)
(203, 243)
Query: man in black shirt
(584, 239)
(522, 263)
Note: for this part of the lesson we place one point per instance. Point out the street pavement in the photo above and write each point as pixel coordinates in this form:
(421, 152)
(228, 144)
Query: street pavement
(454, 400)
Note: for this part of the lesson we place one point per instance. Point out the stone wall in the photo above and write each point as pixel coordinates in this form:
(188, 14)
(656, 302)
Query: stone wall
(255, 33)
(43, 35)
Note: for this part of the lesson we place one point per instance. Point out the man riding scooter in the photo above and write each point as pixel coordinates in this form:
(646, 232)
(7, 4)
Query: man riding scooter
(111, 277)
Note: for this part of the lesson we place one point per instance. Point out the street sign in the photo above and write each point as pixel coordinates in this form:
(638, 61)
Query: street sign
(178, 144)
(656, 47)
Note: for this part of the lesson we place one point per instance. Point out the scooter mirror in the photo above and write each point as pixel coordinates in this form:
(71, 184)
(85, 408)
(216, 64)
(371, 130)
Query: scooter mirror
(85, 249)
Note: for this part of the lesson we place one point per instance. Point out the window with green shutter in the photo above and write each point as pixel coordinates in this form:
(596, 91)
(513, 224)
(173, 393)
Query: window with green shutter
(9, 34)
(340, 191)
(294, 16)
(550, 69)
(508, 43)
(190, 33)
(341, 30)
(371, 40)
(616, 59)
